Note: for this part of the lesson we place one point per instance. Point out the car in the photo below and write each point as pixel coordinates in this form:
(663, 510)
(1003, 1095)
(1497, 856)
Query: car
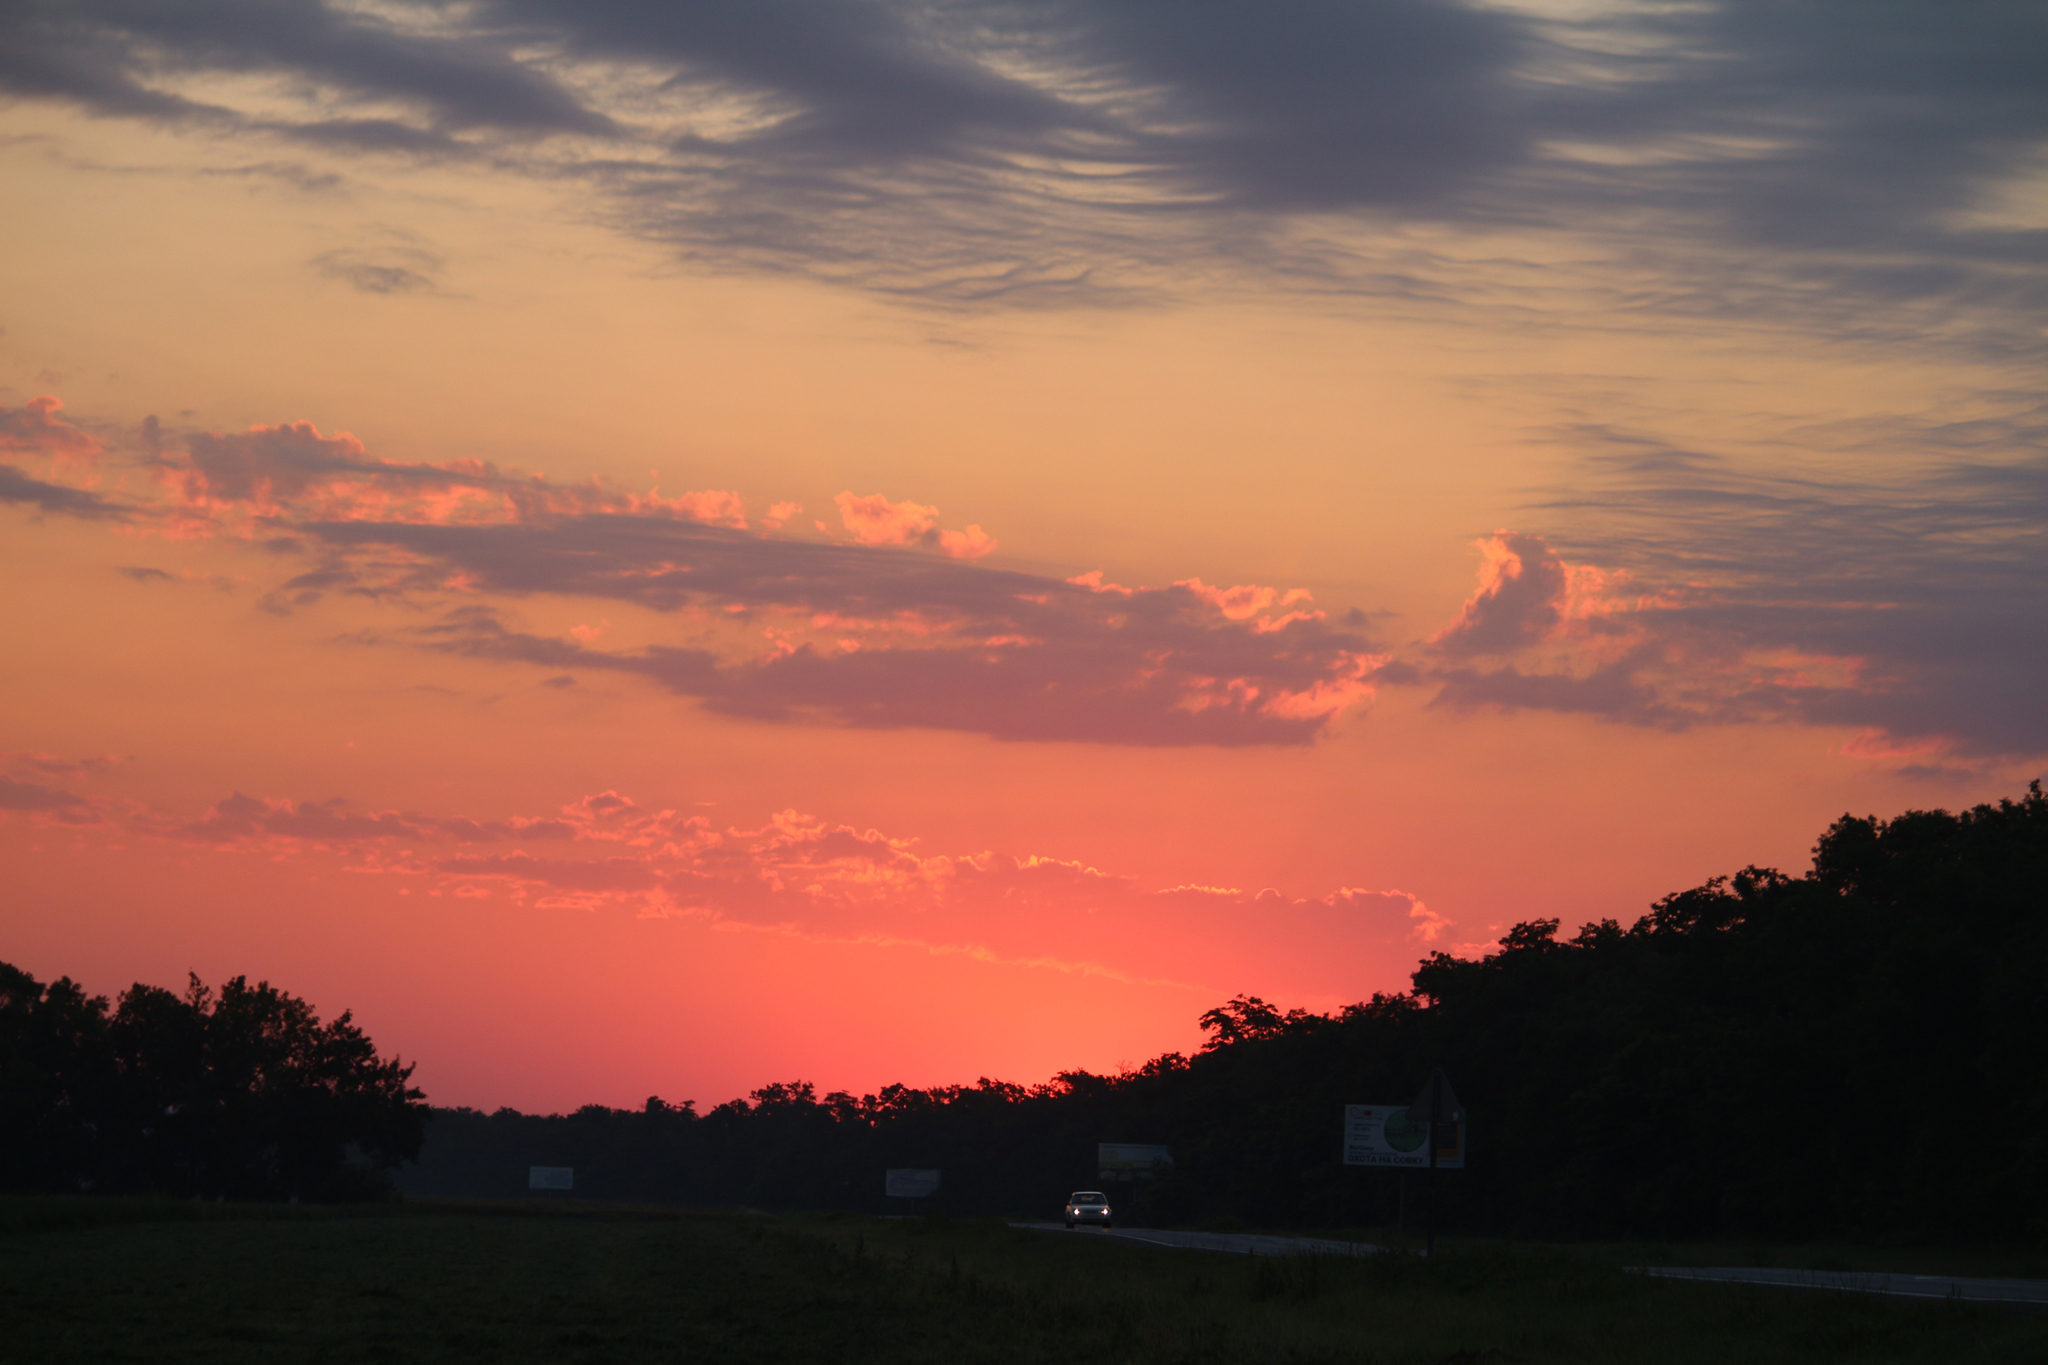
(1087, 1206)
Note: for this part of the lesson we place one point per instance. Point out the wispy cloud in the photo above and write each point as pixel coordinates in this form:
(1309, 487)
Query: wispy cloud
(795, 873)
(382, 270)
(1758, 159)
(895, 625)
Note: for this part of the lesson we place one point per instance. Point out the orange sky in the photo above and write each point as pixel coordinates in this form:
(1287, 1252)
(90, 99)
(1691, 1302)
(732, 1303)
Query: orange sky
(659, 559)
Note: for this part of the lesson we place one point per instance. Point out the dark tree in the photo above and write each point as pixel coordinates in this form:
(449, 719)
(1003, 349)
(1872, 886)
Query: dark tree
(242, 1093)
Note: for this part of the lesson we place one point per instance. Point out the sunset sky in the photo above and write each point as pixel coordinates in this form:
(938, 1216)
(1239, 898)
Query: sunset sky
(656, 548)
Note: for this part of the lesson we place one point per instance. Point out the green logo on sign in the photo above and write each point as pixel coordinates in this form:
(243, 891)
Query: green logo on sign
(1402, 1135)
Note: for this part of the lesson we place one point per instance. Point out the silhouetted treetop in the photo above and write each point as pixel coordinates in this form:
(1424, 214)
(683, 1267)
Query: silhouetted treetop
(241, 1092)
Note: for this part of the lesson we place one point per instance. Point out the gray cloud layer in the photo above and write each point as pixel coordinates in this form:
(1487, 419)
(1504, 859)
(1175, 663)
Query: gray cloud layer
(1012, 655)
(1671, 587)
(988, 150)
(1929, 573)
(778, 627)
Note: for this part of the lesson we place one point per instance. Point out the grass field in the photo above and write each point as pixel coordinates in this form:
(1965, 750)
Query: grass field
(107, 1280)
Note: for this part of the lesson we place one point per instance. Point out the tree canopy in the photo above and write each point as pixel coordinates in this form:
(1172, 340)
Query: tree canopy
(238, 1093)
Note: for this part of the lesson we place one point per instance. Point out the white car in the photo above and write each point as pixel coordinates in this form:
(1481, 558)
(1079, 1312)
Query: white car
(1087, 1206)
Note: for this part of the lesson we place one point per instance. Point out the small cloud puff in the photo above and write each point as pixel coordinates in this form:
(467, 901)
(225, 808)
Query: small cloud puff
(381, 270)
(874, 520)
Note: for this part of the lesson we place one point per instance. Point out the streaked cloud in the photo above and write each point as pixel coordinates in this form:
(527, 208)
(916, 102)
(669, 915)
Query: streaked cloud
(1700, 591)
(795, 873)
(35, 796)
(27, 792)
(382, 270)
(897, 628)
(1764, 160)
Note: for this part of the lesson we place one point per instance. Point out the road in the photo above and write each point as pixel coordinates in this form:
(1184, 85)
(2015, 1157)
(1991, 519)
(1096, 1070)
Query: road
(1241, 1243)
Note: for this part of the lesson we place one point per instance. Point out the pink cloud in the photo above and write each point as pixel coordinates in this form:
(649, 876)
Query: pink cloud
(1873, 743)
(874, 520)
(1426, 925)
(266, 466)
(274, 823)
(34, 428)
(1584, 639)
(713, 507)
(43, 802)
(971, 543)
(801, 874)
(1327, 696)
(291, 472)
(1244, 600)
(861, 634)
(1519, 600)
(69, 458)
(1092, 580)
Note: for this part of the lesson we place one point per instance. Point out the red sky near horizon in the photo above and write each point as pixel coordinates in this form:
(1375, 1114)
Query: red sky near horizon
(651, 556)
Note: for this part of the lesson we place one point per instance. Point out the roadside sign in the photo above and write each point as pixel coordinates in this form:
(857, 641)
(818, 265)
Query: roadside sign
(1388, 1135)
(910, 1183)
(1131, 1160)
(1437, 1106)
(550, 1177)
(1437, 1102)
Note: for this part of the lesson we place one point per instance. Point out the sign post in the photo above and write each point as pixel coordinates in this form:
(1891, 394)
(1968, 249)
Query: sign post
(1443, 1119)
(1428, 1133)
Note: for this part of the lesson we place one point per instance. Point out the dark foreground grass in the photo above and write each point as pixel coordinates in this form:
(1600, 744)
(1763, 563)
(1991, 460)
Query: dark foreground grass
(2026, 1262)
(97, 1280)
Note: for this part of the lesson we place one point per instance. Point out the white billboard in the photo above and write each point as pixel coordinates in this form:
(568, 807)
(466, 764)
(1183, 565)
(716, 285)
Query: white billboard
(550, 1177)
(1381, 1135)
(1130, 1160)
(910, 1183)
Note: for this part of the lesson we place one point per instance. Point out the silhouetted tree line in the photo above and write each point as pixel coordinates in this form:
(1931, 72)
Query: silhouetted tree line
(241, 1093)
(1861, 1051)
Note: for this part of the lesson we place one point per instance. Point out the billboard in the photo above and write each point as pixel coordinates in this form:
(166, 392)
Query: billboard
(1382, 1135)
(1130, 1160)
(910, 1183)
(550, 1177)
